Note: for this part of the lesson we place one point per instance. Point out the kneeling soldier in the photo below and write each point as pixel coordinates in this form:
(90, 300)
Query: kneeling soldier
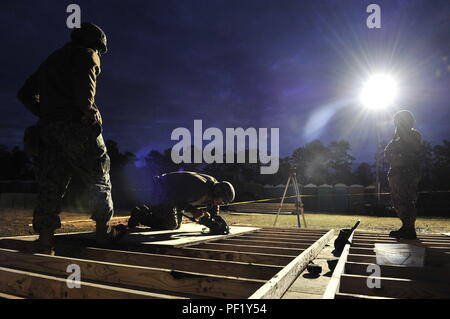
(193, 195)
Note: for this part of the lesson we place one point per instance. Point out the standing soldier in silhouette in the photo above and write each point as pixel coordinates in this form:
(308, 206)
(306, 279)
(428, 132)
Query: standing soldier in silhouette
(403, 154)
(67, 139)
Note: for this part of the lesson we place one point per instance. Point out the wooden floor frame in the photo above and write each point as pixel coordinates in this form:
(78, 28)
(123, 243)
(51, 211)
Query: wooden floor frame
(256, 265)
(353, 277)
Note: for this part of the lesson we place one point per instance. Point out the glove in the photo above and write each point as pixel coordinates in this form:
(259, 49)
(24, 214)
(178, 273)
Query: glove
(216, 224)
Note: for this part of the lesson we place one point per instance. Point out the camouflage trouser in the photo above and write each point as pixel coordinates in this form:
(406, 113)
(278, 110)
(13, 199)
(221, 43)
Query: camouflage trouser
(68, 149)
(404, 196)
(160, 217)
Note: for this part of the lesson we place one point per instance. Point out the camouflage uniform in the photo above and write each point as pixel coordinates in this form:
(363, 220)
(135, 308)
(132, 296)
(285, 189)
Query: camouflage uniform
(403, 153)
(173, 193)
(62, 93)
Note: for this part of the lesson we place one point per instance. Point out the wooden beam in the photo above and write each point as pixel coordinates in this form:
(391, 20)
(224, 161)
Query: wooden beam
(253, 249)
(362, 258)
(264, 243)
(8, 296)
(433, 274)
(277, 286)
(262, 257)
(31, 285)
(285, 235)
(249, 257)
(277, 239)
(393, 287)
(411, 242)
(334, 283)
(179, 263)
(291, 231)
(420, 236)
(362, 250)
(340, 295)
(134, 276)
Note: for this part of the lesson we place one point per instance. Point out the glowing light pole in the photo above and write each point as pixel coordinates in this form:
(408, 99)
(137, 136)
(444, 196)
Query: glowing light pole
(377, 94)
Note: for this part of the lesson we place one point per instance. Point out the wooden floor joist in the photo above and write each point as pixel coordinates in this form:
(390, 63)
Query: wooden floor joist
(135, 276)
(33, 285)
(253, 249)
(179, 263)
(256, 264)
(265, 243)
(355, 270)
(277, 286)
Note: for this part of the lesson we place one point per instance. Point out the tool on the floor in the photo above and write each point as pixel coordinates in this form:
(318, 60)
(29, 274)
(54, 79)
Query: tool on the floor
(342, 239)
(314, 269)
(298, 200)
(332, 263)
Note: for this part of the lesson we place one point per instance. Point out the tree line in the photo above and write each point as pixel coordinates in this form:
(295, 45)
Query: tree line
(314, 162)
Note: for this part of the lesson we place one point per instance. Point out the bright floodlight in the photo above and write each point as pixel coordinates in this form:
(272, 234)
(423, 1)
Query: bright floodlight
(378, 92)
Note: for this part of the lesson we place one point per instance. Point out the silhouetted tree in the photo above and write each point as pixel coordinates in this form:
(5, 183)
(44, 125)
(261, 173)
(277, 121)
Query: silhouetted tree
(364, 174)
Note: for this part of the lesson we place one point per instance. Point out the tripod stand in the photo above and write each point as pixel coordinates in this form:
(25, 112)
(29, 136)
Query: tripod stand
(298, 200)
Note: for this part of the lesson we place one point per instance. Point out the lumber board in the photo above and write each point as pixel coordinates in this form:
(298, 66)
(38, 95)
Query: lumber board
(134, 276)
(180, 263)
(411, 242)
(264, 243)
(432, 274)
(362, 258)
(265, 257)
(32, 285)
(278, 285)
(248, 258)
(334, 283)
(8, 296)
(419, 240)
(284, 235)
(341, 295)
(276, 239)
(386, 235)
(394, 287)
(187, 234)
(286, 231)
(253, 249)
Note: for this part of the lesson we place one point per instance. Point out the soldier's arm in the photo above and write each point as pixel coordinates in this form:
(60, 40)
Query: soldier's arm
(84, 78)
(389, 151)
(29, 94)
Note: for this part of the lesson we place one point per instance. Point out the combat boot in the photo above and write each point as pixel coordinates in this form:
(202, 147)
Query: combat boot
(404, 233)
(45, 244)
(135, 217)
(104, 234)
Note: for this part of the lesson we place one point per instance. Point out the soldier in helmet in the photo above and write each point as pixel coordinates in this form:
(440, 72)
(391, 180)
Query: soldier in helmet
(194, 195)
(62, 94)
(403, 154)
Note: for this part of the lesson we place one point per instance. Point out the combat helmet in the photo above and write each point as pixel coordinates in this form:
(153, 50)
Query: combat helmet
(404, 118)
(225, 191)
(91, 36)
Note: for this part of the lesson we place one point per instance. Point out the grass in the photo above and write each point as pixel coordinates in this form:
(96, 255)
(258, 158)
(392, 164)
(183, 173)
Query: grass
(15, 222)
(328, 221)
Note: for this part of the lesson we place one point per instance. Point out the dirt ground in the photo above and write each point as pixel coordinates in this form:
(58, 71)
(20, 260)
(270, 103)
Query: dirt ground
(15, 222)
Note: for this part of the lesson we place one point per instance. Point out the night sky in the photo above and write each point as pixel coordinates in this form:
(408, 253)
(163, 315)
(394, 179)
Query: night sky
(296, 65)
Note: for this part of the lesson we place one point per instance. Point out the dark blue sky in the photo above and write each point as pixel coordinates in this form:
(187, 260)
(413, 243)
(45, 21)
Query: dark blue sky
(296, 65)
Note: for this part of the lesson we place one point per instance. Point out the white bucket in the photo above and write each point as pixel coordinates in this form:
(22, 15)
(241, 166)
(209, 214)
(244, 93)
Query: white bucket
(400, 254)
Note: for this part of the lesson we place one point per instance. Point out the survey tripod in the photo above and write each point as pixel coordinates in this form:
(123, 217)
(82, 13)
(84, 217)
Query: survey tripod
(298, 200)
